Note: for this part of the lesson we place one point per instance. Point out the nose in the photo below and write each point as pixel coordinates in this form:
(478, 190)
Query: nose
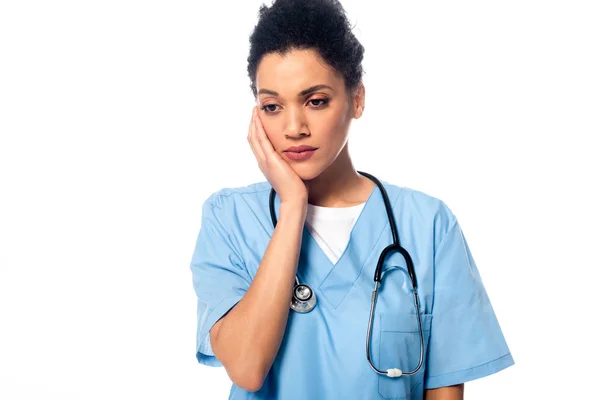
(296, 126)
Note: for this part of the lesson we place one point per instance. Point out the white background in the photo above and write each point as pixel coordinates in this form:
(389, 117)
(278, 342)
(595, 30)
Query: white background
(119, 118)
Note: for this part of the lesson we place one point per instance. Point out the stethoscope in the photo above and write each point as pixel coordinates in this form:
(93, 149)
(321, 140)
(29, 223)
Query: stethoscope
(304, 298)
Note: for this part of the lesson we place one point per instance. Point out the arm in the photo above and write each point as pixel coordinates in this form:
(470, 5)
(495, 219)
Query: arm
(465, 341)
(247, 339)
(455, 392)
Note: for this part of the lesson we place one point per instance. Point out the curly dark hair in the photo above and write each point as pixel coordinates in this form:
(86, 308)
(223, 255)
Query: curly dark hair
(320, 25)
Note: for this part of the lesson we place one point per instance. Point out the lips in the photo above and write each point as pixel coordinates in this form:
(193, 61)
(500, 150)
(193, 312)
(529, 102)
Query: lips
(299, 149)
(299, 155)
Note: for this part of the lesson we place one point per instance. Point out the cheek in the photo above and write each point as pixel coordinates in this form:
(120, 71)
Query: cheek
(334, 128)
(271, 132)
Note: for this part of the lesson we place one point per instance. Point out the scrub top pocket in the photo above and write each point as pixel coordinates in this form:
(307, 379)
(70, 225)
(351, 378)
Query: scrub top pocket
(400, 347)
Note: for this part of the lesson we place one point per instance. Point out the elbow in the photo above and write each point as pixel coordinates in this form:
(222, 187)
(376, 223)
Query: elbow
(246, 369)
(249, 378)
(251, 386)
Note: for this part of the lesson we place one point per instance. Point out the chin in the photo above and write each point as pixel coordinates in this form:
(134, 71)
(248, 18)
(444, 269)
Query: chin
(307, 173)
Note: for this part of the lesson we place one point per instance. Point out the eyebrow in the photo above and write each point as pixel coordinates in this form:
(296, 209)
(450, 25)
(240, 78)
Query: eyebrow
(310, 90)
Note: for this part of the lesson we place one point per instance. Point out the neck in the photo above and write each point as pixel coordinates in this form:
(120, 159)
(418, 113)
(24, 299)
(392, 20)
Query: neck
(339, 185)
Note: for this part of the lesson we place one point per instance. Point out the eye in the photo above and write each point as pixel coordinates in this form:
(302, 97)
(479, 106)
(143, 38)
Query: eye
(323, 103)
(316, 104)
(267, 110)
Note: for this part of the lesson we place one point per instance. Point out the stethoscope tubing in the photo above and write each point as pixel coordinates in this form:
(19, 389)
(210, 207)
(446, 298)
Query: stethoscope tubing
(395, 246)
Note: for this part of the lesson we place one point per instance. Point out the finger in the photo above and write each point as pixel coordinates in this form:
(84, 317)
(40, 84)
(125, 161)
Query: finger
(255, 137)
(252, 139)
(265, 144)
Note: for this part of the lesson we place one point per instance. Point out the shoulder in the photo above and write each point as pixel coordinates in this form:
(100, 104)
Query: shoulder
(229, 196)
(422, 207)
(228, 204)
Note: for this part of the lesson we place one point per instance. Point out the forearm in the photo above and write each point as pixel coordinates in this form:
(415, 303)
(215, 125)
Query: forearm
(455, 392)
(248, 338)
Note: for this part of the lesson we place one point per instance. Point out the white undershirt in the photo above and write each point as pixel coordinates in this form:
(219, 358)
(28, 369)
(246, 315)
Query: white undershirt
(331, 227)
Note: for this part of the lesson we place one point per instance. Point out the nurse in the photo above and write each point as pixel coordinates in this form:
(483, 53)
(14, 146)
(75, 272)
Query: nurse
(331, 227)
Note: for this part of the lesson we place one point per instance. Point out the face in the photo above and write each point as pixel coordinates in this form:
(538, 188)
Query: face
(302, 101)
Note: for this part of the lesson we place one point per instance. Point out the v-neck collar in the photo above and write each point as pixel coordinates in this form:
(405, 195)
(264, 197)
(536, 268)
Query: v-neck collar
(335, 280)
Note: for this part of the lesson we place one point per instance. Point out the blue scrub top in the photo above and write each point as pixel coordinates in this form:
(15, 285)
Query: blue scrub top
(322, 355)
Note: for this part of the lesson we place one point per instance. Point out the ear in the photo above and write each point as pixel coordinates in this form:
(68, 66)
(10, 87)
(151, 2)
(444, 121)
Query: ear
(358, 101)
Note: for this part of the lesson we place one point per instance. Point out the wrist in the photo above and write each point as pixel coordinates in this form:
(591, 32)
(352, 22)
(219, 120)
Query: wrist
(296, 208)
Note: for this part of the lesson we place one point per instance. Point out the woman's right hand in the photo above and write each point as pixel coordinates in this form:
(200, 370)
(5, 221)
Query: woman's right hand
(288, 185)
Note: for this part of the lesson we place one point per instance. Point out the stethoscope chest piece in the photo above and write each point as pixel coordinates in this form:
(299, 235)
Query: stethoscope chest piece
(303, 298)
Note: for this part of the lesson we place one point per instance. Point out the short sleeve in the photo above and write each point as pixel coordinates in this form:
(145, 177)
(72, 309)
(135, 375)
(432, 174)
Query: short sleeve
(466, 341)
(219, 276)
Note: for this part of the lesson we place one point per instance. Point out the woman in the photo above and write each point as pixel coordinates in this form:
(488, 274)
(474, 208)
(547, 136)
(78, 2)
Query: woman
(326, 224)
